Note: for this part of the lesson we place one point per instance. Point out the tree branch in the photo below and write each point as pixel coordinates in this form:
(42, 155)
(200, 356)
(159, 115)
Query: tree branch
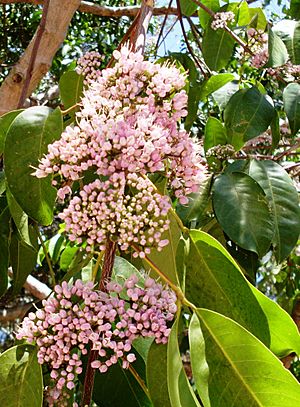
(56, 27)
(104, 11)
(138, 36)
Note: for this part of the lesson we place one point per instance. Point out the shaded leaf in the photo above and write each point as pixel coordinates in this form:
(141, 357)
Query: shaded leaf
(247, 115)
(188, 7)
(214, 280)
(242, 210)
(294, 10)
(21, 381)
(291, 103)
(214, 133)
(223, 95)
(5, 232)
(242, 371)
(157, 375)
(217, 48)
(289, 32)
(26, 142)
(204, 17)
(275, 130)
(283, 198)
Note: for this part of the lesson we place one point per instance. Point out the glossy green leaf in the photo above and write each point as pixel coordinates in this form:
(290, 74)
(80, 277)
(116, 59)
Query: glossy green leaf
(243, 211)
(204, 17)
(20, 219)
(67, 256)
(180, 390)
(188, 7)
(289, 32)
(213, 280)
(22, 259)
(157, 375)
(5, 232)
(70, 88)
(283, 198)
(244, 17)
(278, 54)
(214, 83)
(247, 115)
(5, 123)
(217, 48)
(214, 133)
(165, 260)
(242, 371)
(291, 103)
(26, 142)
(284, 335)
(21, 381)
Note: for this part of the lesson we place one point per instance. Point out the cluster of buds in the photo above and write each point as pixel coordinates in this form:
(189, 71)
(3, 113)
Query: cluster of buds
(77, 317)
(258, 43)
(221, 19)
(89, 65)
(288, 71)
(221, 152)
(127, 127)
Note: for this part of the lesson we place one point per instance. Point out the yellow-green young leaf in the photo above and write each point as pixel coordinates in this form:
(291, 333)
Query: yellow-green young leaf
(215, 282)
(242, 371)
(243, 211)
(258, 18)
(283, 198)
(180, 391)
(26, 143)
(21, 381)
(157, 375)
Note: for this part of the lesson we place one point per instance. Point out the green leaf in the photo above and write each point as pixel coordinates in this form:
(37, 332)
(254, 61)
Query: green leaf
(242, 371)
(2, 182)
(285, 337)
(67, 256)
(214, 280)
(21, 381)
(291, 103)
(157, 375)
(200, 367)
(278, 54)
(5, 123)
(188, 7)
(258, 18)
(217, 48)
(289, 32)
(22, 259)
(118, 387)
(123, 269)
(204, 17)
(180, 391)
(70, 88)
(242, 210)
(247, 115)
(275, 130)
(294, 10)
(20, 219)
(26, 142)
(5, 232)
(283, 198)
(223, 95)
(244, 17)
(214, 83)
(214, 133)
(78, 262)
(192, 105)
(165, 260)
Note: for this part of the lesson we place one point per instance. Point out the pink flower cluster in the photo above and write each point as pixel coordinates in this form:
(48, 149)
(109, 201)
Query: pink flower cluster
(88, 65)
(258, 42)
(77, 317)
(288, 71)
(128, 124)
(221, 19)
(104, 208)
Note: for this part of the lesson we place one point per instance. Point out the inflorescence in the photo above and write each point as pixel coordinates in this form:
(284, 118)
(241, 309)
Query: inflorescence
(127, 128)
(77, 318)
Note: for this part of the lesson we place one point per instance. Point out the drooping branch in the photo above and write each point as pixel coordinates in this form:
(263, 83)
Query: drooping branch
(104, 11)
(53, 35)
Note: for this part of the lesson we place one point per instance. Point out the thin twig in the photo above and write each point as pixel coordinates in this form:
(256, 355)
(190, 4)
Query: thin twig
(48, 260)
(163, 25)
(286, 152)
(34, 52)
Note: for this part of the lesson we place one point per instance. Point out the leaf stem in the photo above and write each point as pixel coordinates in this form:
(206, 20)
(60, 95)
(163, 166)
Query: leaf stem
(97, 265)
(139, 380)
(64, 112)
(48, 259)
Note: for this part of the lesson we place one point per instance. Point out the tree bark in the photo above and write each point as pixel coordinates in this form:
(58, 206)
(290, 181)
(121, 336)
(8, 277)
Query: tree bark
(53, 35)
